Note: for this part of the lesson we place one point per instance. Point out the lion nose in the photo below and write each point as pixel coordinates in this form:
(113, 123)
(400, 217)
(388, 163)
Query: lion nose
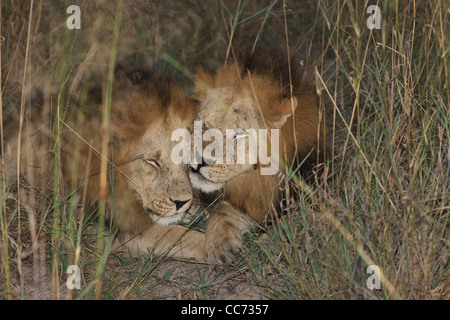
(197, 169)
(198, 163)
(180, 203)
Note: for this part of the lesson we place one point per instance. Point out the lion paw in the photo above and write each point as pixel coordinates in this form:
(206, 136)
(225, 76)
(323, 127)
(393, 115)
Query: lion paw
(222, 246)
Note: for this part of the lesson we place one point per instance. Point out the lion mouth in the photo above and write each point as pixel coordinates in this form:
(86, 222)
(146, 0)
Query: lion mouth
(198, 181)
(165, 220)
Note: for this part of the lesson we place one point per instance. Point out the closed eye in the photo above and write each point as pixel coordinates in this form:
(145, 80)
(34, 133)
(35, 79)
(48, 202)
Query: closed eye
(153, 162)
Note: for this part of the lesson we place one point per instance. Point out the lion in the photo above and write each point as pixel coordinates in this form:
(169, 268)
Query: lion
(149, 193)
(258, 90)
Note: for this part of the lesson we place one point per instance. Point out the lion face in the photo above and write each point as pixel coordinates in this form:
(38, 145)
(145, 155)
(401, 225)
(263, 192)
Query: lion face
(160, 185)
(235, 115)
(255, 110)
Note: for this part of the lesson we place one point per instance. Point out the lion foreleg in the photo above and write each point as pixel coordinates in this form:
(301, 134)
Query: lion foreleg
(172, 241)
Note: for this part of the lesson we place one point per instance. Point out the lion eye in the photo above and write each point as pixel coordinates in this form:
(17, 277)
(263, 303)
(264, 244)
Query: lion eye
(153, 163)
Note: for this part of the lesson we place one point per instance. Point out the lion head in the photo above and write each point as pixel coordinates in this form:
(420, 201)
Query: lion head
(250, 95)
(255, 96)
(148, 186)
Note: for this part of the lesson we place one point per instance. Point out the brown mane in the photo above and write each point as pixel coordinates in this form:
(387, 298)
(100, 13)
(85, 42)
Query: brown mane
(274, 64)
(148, 98)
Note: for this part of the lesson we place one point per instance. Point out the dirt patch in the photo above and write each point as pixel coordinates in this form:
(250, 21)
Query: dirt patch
(168, 280)
(180, 280)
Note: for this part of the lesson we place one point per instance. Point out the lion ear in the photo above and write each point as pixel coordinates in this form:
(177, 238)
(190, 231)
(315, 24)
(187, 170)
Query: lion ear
(203, 81)
(287, 106)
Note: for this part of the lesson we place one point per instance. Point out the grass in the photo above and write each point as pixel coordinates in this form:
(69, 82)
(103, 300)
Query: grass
(383, 197)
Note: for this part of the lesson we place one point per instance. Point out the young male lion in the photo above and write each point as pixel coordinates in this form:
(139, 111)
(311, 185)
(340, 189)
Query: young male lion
(147, 193)
(253, 92)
